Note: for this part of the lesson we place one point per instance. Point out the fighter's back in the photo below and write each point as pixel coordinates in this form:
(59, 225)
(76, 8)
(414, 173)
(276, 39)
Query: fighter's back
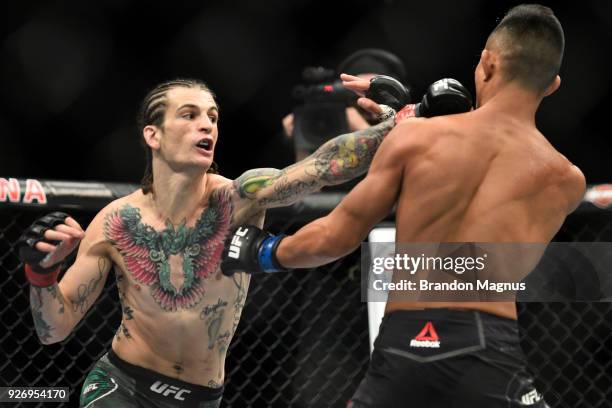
(475, 178)
(481, 177)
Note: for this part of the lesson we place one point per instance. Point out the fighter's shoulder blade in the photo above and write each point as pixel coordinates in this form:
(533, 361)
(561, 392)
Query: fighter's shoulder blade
(414, 135)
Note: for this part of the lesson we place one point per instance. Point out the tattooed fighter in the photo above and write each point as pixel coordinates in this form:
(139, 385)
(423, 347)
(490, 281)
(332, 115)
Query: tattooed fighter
(164, 243)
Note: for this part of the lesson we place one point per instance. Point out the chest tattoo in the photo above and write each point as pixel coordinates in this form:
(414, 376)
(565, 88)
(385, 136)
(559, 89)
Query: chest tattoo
(156, 258)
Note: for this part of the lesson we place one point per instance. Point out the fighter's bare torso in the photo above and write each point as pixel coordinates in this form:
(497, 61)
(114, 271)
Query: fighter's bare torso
(179, 311)
(464, 181)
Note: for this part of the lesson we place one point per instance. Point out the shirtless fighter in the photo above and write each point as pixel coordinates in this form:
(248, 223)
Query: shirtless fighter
(484, 176)
(164, 243)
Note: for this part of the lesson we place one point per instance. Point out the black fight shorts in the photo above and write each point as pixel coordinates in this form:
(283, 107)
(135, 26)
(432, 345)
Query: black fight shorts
(441, 358)
(114, 383)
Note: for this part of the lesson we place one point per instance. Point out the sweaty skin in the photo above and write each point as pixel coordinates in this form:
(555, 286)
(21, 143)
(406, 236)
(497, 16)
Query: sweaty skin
(179, 311)
(482, 176)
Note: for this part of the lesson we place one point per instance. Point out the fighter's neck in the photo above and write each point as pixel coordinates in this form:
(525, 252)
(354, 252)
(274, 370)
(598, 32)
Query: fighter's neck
(177, 196)
(513, 102)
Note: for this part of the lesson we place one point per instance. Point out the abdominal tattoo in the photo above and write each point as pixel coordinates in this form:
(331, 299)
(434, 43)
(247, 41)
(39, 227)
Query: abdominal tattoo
(241, 281)
(213, 315)
(126, 310)
(174, 262)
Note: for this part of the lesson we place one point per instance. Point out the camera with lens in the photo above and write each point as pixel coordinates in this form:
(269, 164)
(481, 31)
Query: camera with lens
(321, 110)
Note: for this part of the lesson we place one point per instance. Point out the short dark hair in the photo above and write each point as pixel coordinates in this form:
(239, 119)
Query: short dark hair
(531, 43)
(152, 112)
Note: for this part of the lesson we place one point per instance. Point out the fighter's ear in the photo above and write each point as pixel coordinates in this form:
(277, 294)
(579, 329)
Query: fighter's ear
(151, 136)
(554, 85)
(488, 62)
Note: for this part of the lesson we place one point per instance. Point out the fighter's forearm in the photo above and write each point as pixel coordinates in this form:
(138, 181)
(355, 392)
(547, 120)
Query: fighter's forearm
(348, 156)
(52, 318)
(338, 160)
(314, 245)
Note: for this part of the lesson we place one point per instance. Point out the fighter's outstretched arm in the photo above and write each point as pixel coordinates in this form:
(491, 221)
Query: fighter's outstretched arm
(326, 239)
(336, 235)
(338, 160)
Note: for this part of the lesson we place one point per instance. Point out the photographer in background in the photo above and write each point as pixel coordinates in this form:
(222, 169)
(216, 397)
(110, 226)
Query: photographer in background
(326, 107)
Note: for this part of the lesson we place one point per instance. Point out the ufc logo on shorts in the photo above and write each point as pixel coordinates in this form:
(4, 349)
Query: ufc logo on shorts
(166, 390)
(234, 250)
(90, 388)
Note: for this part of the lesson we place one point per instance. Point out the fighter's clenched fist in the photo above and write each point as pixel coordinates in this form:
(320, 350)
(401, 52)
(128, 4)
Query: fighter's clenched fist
(45, 244)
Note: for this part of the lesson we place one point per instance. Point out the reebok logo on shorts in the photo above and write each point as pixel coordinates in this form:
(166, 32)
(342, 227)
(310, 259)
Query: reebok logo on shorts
(427, 338)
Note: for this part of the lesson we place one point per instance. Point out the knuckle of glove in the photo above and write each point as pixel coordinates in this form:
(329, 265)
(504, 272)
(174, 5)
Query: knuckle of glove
(388, 91)
(26, 247)
(53, 219)
(460, 92)
(446, 96)
(26, 244)
(30, 255)
(38, 230)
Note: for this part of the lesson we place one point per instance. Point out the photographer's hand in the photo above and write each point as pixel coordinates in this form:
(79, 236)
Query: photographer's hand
(356, 120)
(360, 86)
(288, 125)
(356, 84)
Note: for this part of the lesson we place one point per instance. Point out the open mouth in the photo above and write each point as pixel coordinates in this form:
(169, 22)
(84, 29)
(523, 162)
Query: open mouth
(205, 144)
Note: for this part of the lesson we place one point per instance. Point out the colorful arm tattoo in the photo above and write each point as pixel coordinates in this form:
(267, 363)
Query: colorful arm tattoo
(338, 160)
(348, 156)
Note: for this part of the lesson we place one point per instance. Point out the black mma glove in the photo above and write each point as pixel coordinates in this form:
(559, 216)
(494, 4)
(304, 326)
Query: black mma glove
(386, 90)
(252, 250)
(444, 97)
(31, 257)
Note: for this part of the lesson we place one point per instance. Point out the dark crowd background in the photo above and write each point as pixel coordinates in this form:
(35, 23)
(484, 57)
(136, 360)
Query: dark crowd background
(73, 73)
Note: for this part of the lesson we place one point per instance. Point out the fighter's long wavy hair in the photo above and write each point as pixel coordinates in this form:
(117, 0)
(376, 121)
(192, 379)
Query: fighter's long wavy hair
(152, 112)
